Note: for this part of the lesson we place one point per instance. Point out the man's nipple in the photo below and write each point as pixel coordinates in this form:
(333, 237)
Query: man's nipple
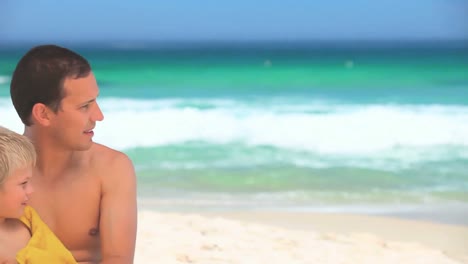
(93, 231)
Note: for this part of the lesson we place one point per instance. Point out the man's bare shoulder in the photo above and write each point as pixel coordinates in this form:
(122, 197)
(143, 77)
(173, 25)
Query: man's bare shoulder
(107, 160)
(102, 155)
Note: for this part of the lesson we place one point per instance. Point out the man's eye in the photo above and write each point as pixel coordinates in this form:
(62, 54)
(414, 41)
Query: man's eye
(85, 106)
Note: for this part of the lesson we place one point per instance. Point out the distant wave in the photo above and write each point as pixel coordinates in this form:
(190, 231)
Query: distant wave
(4, 79)
(339, 129)
(321, 128)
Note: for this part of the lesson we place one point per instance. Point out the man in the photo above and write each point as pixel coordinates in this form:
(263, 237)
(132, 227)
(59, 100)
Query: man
(85, 192)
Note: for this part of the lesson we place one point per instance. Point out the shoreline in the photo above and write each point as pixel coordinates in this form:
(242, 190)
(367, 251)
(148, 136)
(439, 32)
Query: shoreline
(450, 213)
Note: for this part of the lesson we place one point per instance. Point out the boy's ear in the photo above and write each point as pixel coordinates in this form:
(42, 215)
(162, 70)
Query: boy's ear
(41, 114)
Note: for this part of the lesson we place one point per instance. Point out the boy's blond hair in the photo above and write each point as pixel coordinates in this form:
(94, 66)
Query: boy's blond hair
(16, 152)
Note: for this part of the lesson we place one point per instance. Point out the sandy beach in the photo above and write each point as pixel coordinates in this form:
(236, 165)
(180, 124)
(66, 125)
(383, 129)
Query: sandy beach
(284, 237)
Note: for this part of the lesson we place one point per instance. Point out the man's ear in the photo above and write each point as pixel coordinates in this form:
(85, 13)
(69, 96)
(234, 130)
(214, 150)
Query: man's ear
(41, 114)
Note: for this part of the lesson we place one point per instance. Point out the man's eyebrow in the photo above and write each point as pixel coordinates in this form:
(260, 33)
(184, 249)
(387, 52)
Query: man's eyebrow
(89, 101)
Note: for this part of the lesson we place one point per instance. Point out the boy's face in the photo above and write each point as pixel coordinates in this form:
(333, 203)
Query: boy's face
(15, 192)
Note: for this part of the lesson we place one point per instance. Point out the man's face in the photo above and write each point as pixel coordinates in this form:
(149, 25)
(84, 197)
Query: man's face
(72, 126)
(15, 192)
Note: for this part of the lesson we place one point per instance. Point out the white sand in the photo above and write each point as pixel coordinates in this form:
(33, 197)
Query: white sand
(187, 238)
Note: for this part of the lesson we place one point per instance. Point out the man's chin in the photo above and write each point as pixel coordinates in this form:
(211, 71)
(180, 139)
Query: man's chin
(85, 147)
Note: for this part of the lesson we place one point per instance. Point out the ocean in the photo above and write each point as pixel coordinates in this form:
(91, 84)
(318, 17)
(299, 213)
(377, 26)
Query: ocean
(378, 129)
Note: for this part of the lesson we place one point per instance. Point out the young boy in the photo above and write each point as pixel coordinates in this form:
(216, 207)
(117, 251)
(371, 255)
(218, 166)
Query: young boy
(24, 237)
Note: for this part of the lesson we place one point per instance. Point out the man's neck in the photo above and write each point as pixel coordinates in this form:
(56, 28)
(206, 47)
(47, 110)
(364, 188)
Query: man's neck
(52, 159)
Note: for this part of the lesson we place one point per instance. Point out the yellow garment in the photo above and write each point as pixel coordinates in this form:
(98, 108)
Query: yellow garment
(44, 246)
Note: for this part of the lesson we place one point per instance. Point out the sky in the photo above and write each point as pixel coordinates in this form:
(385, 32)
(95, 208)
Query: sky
(241, 20)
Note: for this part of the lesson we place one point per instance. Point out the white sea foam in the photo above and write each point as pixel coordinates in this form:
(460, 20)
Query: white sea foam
(4, 79)
(337, 129)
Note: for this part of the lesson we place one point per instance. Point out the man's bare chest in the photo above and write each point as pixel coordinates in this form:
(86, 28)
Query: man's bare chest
(71, 211)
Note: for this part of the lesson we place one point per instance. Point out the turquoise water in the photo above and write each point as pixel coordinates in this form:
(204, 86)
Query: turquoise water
(284, 127)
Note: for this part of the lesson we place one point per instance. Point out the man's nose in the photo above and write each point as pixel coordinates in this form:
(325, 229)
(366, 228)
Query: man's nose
(98, 115)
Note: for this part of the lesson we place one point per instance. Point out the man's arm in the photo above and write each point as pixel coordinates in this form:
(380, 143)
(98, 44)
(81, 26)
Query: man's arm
(118, 223)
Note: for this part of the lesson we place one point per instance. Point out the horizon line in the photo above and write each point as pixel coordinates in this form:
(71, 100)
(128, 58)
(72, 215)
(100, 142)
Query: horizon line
(272, 43)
